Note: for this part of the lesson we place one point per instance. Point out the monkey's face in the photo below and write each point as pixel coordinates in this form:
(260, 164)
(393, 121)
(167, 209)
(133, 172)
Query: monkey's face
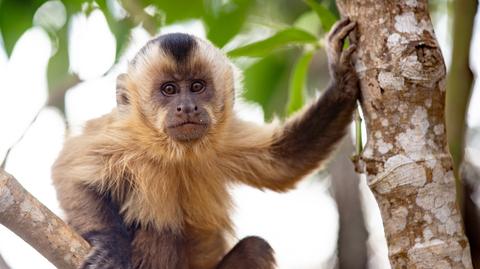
(185, 102)
(185, 86)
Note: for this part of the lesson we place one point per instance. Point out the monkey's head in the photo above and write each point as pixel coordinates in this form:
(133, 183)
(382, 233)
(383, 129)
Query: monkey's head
(180, 85)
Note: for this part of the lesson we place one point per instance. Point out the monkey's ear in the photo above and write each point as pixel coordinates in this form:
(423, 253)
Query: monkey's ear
(123, 99)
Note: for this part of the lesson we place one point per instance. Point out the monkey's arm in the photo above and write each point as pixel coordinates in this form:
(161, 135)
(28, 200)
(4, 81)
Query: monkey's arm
(93, 214)
(304, 141)
(96, 218)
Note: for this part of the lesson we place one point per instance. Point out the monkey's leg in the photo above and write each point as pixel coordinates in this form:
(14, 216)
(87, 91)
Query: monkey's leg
(250, 253)
(152, 249)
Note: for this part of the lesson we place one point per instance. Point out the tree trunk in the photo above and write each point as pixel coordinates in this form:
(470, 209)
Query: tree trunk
(352, 234)
(409, 170)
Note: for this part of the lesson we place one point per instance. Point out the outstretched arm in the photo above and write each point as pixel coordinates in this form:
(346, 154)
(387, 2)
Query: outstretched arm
(277, 161)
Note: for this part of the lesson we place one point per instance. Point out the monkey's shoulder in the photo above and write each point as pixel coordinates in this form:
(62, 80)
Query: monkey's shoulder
(88, 154)
(100, 124)
(96, 133)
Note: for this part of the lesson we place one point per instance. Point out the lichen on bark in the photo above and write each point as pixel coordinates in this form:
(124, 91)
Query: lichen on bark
(409, 170)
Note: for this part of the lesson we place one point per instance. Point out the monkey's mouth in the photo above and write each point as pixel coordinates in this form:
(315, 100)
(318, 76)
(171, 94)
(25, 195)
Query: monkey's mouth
(187, 130)
(188, 123)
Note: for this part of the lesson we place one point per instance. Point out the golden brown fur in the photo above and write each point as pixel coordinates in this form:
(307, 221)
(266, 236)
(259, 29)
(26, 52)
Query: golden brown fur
(175, 194)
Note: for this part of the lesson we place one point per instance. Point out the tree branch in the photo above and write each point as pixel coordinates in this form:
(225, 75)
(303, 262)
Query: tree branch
(460, 79)
(3, 263)
(352, 235)
(7, 154)
(38, 226)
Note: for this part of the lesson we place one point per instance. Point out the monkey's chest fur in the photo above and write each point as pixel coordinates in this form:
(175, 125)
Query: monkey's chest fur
(177, 196)
(186, 201)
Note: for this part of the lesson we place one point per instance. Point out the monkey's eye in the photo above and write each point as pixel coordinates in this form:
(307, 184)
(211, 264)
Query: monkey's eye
(169, 89)
(197, 86)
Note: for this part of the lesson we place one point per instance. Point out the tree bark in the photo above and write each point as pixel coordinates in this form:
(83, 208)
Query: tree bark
(352, 234)
(38, 226)
(409, 170)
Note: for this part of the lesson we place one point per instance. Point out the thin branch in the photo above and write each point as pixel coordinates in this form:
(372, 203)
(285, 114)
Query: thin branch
(460, 79)
(4, 161)
(54, 98)
(139, 16)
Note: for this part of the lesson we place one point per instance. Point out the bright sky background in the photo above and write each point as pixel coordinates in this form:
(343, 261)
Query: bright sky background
(302, 239)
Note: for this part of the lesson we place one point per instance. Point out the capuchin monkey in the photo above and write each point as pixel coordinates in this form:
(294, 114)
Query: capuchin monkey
(147, 184)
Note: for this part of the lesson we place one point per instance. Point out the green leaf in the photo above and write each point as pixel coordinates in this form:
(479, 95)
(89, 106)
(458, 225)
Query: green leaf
(358, 132)
(224, 23)
(327, 18)
(298, 82)
(177, 10)
(289, 36)
(72, 7)
(309, 22)
(15, 18)
(121, 30)
(266, 83)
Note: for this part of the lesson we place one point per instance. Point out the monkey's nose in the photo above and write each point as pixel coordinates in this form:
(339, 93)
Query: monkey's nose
(186, 109)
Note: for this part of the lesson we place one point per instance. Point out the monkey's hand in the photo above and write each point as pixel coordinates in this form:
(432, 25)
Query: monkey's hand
(340, 61)
(109, 252)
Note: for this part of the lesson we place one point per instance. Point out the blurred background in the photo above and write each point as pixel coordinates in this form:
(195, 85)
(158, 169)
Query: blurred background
(58, 65)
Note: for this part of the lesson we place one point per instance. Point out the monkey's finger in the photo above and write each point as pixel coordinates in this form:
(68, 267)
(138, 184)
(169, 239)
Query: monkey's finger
(346, 58)
(335, 45)
(343, 33)
(337, 26)
(352, 37)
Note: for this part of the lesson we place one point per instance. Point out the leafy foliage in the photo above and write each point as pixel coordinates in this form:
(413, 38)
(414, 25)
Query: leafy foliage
(15, 18)
(326, 16)
(225, 22)
(297, 83)
(286, 37)
(265, 82)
